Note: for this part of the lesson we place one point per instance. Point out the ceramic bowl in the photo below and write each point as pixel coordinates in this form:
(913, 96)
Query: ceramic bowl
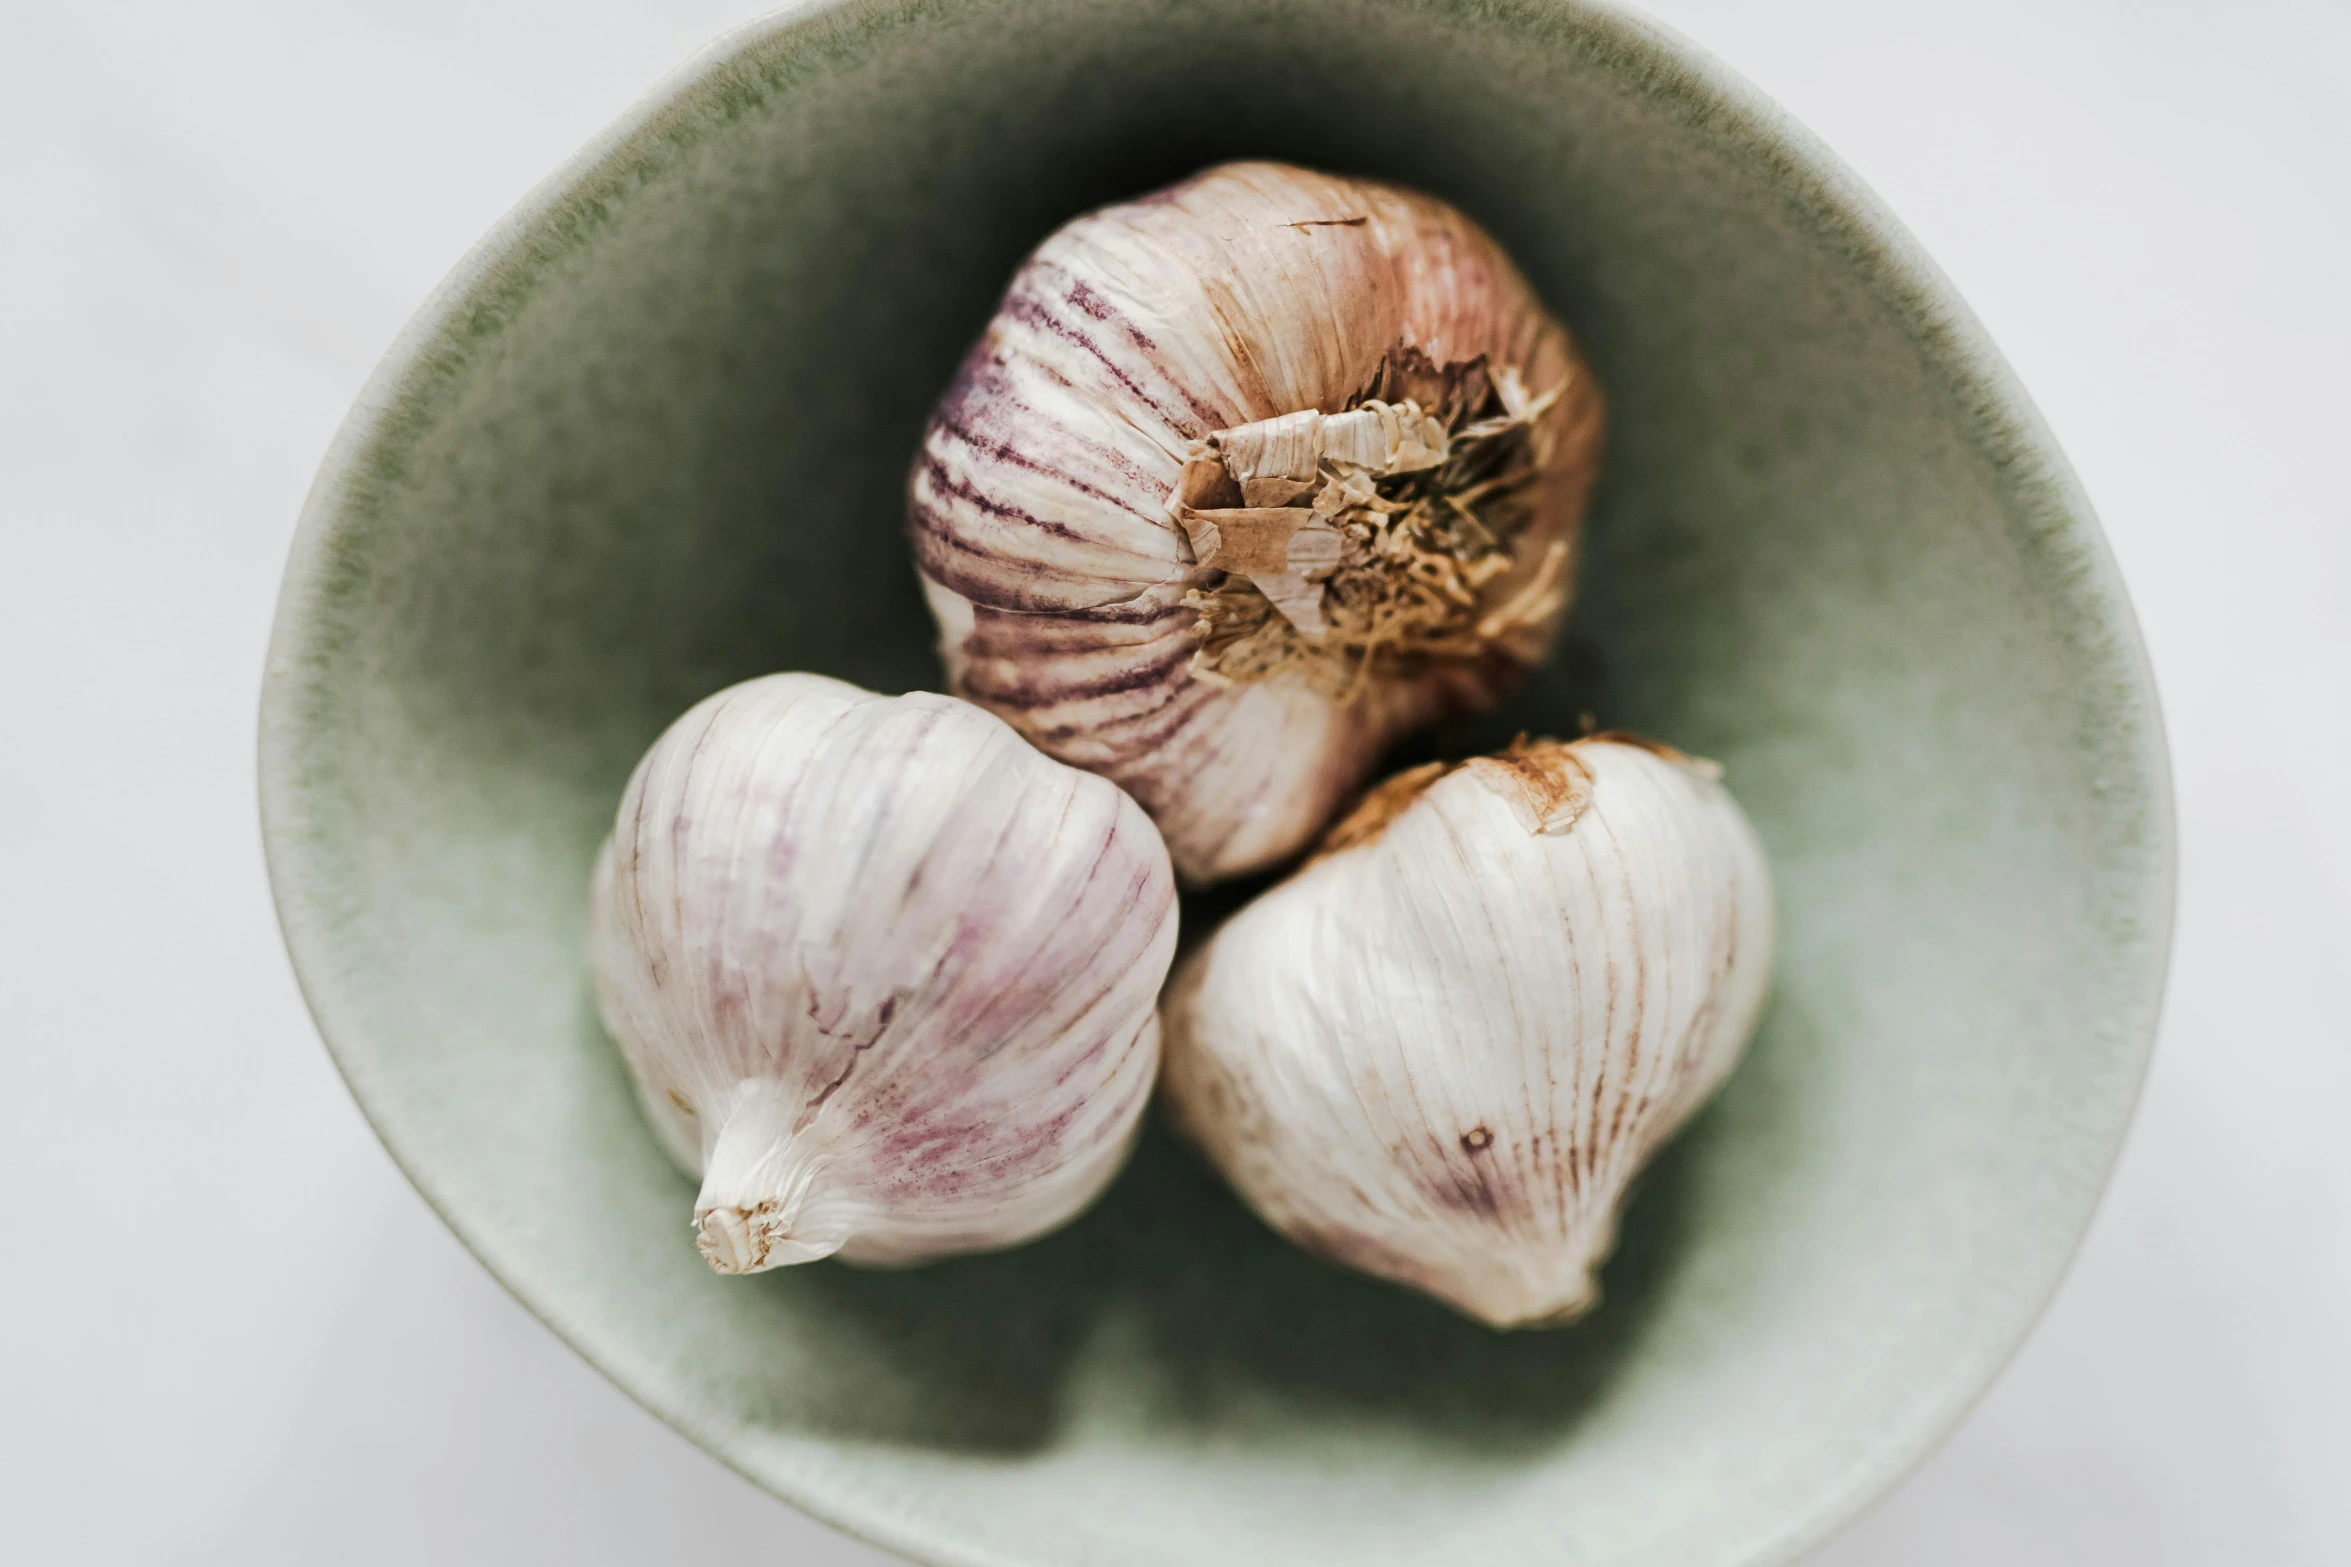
(650, 439)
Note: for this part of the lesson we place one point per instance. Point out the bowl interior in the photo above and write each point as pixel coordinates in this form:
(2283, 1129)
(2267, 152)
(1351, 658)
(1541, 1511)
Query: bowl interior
(651, 439)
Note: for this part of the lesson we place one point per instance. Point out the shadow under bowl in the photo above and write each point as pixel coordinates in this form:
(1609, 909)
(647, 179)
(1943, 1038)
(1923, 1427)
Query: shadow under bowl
(650, 439)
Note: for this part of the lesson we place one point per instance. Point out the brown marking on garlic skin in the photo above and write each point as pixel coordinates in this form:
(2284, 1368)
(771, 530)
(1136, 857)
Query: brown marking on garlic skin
(1385, 802)
(1328, 223)
(1549, 783)
(1476, 1140)
(1551, 786)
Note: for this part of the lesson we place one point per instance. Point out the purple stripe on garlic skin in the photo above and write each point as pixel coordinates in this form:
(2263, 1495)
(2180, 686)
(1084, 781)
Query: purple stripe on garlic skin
(884, 974)
(1042, 504)
(1441, 1051)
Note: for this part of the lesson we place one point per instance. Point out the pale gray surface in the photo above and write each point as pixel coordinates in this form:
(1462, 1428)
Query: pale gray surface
(208, 251)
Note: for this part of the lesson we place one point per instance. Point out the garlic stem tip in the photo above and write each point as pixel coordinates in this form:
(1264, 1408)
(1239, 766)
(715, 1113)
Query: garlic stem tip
(736, 1239)
(726, 1239)
(1568, 1309)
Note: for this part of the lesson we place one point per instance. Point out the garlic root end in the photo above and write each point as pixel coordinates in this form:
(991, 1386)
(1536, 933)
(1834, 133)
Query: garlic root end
(737, 1240)
(764, 1201)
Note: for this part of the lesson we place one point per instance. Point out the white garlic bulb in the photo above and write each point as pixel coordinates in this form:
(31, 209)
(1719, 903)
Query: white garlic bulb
(1441, 1050)
(1245, 480)
(884, 975)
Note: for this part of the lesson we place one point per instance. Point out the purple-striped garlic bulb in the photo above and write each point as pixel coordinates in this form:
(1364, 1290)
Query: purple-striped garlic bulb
(884, 975)
(1245, 480)
(1442, 1049)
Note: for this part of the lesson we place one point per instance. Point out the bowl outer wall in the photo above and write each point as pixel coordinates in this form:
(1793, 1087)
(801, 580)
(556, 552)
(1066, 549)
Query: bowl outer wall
(427, 827)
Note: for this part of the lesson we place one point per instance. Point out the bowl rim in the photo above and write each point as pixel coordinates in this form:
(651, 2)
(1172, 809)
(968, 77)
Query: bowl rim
(563, 210)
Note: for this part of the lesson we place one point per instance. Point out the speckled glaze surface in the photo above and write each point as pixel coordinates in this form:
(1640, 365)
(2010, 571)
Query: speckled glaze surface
(650, 438)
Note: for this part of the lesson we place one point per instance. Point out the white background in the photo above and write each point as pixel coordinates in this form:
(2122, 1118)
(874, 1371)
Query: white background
(229, 1332)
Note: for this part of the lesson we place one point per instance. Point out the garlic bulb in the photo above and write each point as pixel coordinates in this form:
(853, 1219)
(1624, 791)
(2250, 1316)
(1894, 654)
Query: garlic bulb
(884, 975)
(1245, 480)
(1441, 1050)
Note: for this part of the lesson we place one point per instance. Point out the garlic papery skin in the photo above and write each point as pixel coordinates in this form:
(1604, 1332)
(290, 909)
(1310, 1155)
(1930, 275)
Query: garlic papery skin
(1441, 1050)
(1245, 480)
(884, 974)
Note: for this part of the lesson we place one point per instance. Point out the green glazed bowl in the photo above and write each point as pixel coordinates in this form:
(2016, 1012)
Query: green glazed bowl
(650, 439)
